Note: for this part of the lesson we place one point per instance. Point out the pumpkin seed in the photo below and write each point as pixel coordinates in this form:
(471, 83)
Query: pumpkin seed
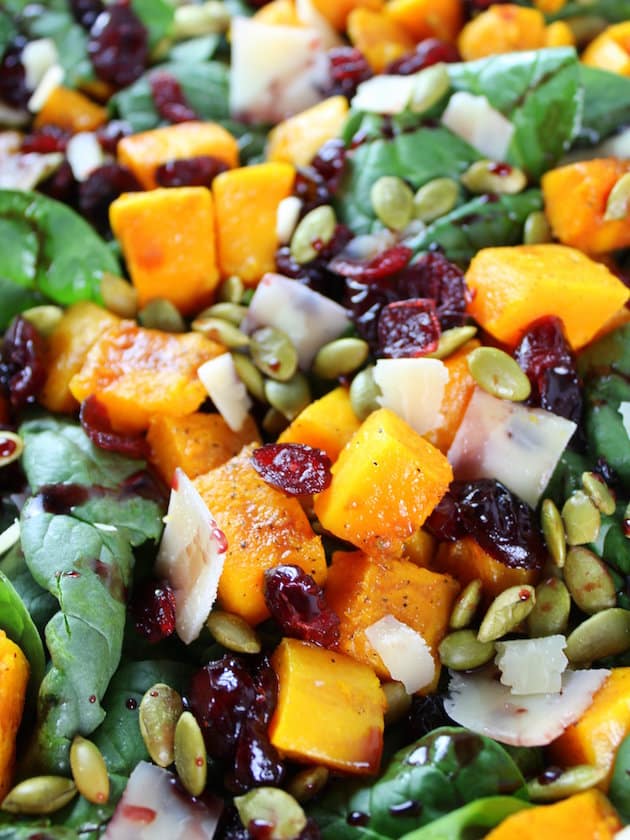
(462, 651)
(466, 605)
(44, 318)
(161, 314)
(276, 808)
(553, 531)
(290, 397)
(287, 217)
(119, 296)
(318, 226)
(607, 633)
(226, 310)
(364, 393)
(233, 632)
(581, 519)
(231, 289)
(618, 204)
(274, 422)
(12, 446)
(160, 709)
(486, 176)
(506, 612)
(599, 493)
(308, 783)
(550, 615)
(451, 340)
(222, 331)
(39, 795)
(273, 353)
(572, 780)
(589, 581)
(498, 374)
(249, 375)
(536, 229)
(586, 27)
(397, 701)
(431, 84)
(435, 198)
(191, 761)
(89, 770)
(340, 357)
(392, 201)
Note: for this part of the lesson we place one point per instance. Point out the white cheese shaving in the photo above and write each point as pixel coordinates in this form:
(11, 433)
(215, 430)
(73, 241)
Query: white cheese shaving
(404, 652)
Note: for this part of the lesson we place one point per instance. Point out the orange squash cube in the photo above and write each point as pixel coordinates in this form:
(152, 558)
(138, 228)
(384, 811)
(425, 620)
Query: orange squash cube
(380, 39)
(279, 13)
(559, 34)
(264, 528)
(610, 50)
(297, 139)
(167, 237)
(502, 29)
(327, 423)
(14, 674)
(427, 18)
(71, 110)
(457, 393)
(385, 483)
(330, 709)
(336, 11)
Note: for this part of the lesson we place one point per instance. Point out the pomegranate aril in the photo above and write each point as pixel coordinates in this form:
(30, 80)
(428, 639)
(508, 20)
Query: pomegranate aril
(22, 363)
(197, 171)
(102, 186)
(408, 328)
(298, 604)
(118, 45)
(169, 99)
(295, 468)
(96, 425)
(153, 610)
(348, 68)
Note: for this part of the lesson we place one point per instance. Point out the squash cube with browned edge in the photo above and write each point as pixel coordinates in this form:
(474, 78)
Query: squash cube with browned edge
(329, 711)
(385, 483)
(136, 373)
(327, 423)
(14, 674)
(297, 139)
(427, 18)
(167, 237)
(502, 29)
(71, 110)
(264, 528)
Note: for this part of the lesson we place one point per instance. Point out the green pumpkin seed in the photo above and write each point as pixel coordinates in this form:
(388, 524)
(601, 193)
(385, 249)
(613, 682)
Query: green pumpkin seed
(618, 204)
(462, 650)
(392, 201)
(553, 531)
(466, 605)
(89, 770)
(589, 581)
(161, 314)
(581, 519)
(226, 310)
(599, 493)
(12, 445)
(484, 176)
(39, 795)
(231, 289)
(550, 615)
(45, 318)
(222, 331)
(119, 296)
(191, 761)
(397, 701)
(340, 357)
(536, 229)
(275, 807)
(318, 226)
(506, 612)
(607, 633)
(498, 374)
(586, 27)
(289, 398)
(308, 783)
(160, 709)
(364, 393)
(274, 422)
(250, 376)
(431, 84)
(233, 632)
(273, 353)
(573, 780)
(451, 340)
(436, 198)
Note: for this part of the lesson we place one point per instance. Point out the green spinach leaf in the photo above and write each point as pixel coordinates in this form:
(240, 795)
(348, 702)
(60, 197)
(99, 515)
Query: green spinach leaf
(40, 604)
(619, 790)
(471, 821)
(197, 49)
(157, 16)
(70, 39)
(611, 10)
(606, 104)
(16, 621)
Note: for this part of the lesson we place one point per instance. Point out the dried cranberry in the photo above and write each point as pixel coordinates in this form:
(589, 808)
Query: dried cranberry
(48, 138)
(295, 468)
(22, 363)
(96, 425)
(266, 685)
(102, 186)
(256, 761)
(153, 610)
(118, 45)
(110, 135)
(429, 51)
(348, 68)
(85, 12)
(197, 171)
(13, 90)
(298, 604)
(383, 265)
(408, 328)
(317, 183)
(61, 185)
(169, 98)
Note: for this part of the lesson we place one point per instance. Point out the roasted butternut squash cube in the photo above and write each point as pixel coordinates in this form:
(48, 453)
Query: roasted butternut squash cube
(378, 37)
(14, 674)
(246, 202)
(502, 29)
(196, 443)
(362, 589)
(336, 11)
(513, 286)
(330, 709)
(610, 50)
(136, 373)
(80, 326)
(457, 393)
(70, 110)
(297, 139)
(144, 152)
(596, 736)
(559, 34)
(167, 237)
(385, 483)
(264, 528)
(427, 18)
(327, 423)
(279, 13)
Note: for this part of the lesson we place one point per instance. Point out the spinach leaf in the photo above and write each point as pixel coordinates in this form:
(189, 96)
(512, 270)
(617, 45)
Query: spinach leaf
(156, 16)
(470, 821)
(610, 10)
(7, 30)
(606, 104)
(70, 39)
(197, 49)
(19, 627)
(40, 605)
(10, 830)
(619, 790)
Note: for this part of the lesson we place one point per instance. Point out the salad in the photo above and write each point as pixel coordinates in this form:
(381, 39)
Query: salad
(314, 419)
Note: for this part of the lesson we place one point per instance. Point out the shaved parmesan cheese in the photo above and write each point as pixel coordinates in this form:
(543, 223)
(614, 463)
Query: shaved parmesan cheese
(84, 153)
(479, 702)
(520, 661)
(36, 57)
(191, 556)
(51, 79)
(24, 172)
(475, 120)
(384, 94)
(404, 652)
(310, 16)
(9, 537)
(226, 390)
(517, 445)
(624, 410)
(413, 389)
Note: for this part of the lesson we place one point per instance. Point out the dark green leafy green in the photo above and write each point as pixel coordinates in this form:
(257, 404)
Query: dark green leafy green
(41, 605)
(471, 821)
(606, 104)
(611, 10)
(70, 39)
(7, 30)
(157, 16)
(17, 623)
(197, 49)
(619, 790)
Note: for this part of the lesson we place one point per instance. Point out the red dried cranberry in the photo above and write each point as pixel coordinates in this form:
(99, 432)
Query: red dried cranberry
(61, 185)
(13, 90)
(295, 468)
(48, 138)
(266, 684)
(110, 135)
(85, 12)
(256, 761)
(197, 171)
(22, 363)
(348, 68)
(153, 609)
(408, 328)
(169, 99)
(118, 45)
(96, 425)
(102, 186)
(298, 604)
(429, 51)
(383, 265)
(330, 164)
